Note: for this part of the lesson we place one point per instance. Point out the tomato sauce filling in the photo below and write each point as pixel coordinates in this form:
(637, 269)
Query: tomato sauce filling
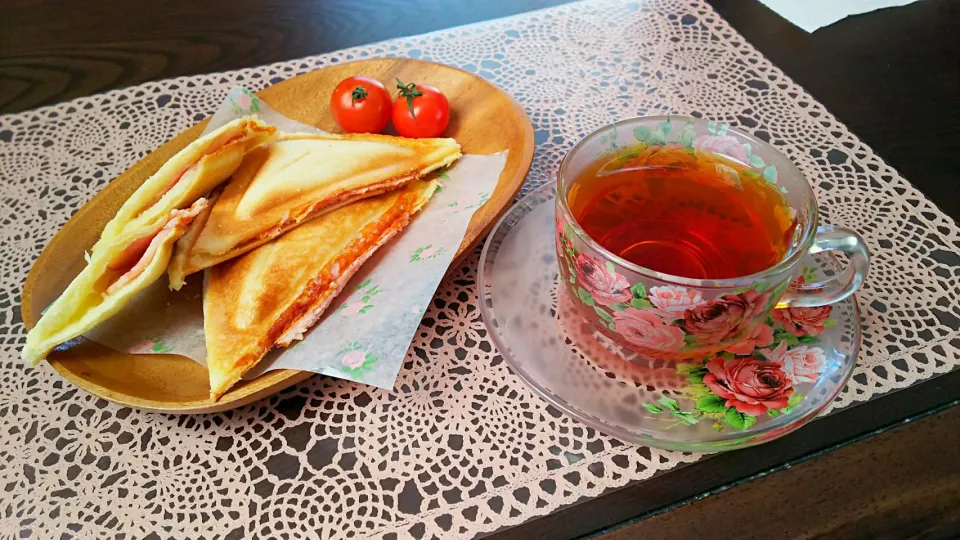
(394, 219)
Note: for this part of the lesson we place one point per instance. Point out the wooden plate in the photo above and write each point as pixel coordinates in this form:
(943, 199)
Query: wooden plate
(484, 120)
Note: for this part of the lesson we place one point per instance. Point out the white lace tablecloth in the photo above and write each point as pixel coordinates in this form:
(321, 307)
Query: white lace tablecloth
(461, 446)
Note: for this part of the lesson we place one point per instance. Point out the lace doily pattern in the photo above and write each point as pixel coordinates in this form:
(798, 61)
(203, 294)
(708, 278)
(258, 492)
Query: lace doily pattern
(461, 446)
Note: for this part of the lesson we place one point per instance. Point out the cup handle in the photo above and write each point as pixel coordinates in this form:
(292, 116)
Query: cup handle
(838, 287)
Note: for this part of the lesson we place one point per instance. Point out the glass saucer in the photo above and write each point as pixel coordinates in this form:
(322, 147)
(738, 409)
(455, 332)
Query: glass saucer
(698, 405)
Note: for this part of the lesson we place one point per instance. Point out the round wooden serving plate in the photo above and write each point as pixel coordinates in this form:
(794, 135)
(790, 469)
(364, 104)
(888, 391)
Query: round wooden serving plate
(484, 120)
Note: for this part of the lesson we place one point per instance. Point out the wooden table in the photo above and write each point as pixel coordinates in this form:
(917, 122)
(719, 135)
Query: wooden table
(884, 468)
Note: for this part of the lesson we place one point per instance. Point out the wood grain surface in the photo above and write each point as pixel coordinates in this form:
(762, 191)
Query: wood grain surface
(54, 50)
(891, 76)
(484, 120)
(900, 486)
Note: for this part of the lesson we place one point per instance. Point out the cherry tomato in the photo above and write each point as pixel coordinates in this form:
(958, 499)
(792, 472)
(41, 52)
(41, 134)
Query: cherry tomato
(361, 105)
(420, 111)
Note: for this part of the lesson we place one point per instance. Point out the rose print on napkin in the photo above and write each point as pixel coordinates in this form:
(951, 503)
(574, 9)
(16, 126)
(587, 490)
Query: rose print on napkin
(471, 202)
(153, 345)
(362, 305)
(243, 101)
(355, 358)
(484, 197)
(426, 253)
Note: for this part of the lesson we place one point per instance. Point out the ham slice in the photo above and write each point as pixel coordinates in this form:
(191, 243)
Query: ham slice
(191, 171)
(132, 253)
(140, 252)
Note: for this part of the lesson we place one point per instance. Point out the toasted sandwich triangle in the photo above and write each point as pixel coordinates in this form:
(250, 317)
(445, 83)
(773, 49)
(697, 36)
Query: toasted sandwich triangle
(296, 178)
(272, 295)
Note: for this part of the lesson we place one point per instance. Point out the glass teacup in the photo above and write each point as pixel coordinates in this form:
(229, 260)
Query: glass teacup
(671, 316)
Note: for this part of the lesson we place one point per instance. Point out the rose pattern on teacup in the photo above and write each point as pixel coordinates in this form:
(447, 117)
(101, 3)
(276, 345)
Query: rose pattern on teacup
(715, 140)
(749, 385)
(645, 329)
(723, 145)
(604, 284)
(744, 361)
(724, 318)
(801, 363)
(762, 336)
(563, 236)
(671, 301)
(758, 379)
(804, 321)
(668, 319)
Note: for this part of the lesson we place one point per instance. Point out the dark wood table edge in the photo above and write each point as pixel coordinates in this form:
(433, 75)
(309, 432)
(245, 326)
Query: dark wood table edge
(621, 507)
(773, 470)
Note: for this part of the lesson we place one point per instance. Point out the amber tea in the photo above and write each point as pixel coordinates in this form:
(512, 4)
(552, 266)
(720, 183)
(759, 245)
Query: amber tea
(681, 212)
